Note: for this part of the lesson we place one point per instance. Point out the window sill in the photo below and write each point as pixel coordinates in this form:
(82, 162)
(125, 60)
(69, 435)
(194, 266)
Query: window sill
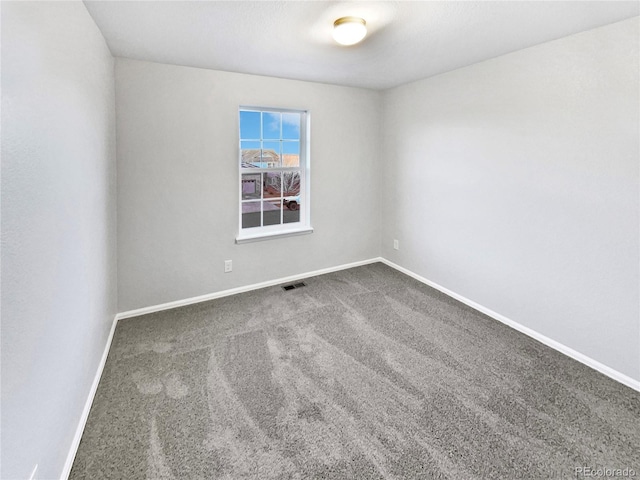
(268, 236)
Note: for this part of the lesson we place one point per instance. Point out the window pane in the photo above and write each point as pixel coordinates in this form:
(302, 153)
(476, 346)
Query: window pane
(291, 192)
(270, 154)
(291, 184)
(291, 154)
(249, 125)
(250, 214)
(272, 185)
(251, 186)
(271, 126)
(291, 126)
(250, 154)
(291, 210)
(271, 212)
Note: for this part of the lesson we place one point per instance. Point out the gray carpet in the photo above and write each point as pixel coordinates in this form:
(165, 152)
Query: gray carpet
(364, 373)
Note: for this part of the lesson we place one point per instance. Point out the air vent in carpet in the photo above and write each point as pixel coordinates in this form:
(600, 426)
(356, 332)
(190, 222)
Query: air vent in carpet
(294, 285)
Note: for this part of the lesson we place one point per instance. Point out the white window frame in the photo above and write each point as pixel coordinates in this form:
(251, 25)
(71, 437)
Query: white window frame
(283, 229)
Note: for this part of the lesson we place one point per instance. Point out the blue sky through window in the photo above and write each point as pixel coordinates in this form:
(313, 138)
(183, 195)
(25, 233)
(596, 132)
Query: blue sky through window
(249, 125)
(291, 147)
(275, 126)
(271, 123)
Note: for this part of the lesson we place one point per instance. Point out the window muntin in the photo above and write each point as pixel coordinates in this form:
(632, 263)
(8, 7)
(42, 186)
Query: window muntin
(273, 171)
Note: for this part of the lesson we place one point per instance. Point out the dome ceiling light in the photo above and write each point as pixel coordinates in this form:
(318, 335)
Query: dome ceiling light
(349, 30)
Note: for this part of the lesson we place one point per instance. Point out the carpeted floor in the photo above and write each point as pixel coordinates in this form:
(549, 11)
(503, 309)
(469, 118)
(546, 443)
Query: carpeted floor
(364, 373)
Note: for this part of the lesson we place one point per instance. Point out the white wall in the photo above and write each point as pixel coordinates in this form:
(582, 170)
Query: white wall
(177, 130)
(514, 182)
(58, 227)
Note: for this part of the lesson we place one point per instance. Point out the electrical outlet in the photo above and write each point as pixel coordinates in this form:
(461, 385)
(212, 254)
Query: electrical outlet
(228, 266)
(33, 473)
(396, 245)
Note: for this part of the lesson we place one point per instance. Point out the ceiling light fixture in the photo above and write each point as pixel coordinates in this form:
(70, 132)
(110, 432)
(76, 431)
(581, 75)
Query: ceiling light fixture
(349, 30)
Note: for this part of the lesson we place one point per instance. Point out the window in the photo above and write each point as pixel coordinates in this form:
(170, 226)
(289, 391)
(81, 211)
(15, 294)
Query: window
(274, 173)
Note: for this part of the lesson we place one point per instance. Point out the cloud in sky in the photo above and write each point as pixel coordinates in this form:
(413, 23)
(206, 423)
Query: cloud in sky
(291, 120)
(290, 123)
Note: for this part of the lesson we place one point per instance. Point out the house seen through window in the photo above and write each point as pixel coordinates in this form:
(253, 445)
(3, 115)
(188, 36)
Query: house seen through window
(273, 171)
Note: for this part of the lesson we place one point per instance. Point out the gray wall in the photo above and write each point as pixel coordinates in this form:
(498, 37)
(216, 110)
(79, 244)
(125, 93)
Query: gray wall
(514, 182)
(58, 227)
(177, 130)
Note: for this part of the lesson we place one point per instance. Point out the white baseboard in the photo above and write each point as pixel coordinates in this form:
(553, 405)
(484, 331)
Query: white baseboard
(600, 367)
(608, 371)
(166, 306)
(87, 406)
(233, 291)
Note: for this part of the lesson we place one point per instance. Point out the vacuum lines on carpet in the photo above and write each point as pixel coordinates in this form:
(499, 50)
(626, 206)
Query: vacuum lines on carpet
(363, 374)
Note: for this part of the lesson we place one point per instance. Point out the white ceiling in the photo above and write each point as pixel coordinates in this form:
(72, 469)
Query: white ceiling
(292, 39)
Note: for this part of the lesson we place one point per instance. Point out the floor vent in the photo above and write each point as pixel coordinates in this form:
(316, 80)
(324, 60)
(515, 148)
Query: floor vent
(294, 285)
